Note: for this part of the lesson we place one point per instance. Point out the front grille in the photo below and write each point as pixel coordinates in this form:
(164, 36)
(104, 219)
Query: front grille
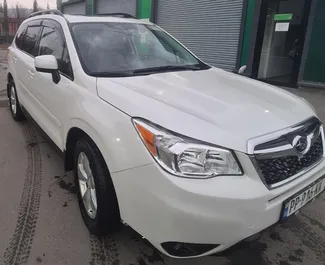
(275, 170)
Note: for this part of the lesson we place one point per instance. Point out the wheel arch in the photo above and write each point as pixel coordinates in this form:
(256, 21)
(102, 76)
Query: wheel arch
(81, 130)
(9, 77)
(78, 130)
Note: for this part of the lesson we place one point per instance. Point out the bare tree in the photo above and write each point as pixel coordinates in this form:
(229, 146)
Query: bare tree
(1, 7)
(48, 6)
(24, 12)
(5, 17)
(17, 12)
(35, 6)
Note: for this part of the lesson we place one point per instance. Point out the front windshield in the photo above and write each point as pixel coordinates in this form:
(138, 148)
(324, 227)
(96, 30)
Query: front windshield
(110, 48)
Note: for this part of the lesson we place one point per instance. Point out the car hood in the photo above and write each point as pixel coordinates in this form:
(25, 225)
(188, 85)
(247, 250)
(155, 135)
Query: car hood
(211, 105)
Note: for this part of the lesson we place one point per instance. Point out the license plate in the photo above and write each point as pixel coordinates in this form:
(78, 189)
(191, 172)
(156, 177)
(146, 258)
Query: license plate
(296, 202)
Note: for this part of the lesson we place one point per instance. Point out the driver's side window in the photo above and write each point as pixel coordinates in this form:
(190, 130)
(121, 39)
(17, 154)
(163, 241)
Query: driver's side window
(52, 43)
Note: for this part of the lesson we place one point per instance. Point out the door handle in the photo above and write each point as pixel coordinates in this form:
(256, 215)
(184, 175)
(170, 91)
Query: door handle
(15, 59)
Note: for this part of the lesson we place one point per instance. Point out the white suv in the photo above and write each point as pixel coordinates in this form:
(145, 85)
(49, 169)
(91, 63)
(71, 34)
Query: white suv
(192, 157)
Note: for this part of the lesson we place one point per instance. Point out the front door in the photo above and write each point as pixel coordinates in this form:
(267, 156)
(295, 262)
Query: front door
(52, 97)
(280, 39)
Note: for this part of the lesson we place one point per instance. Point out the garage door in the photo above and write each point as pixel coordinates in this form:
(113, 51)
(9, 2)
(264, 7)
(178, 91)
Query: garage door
(116, 6)
(78, 8)
(208, 28)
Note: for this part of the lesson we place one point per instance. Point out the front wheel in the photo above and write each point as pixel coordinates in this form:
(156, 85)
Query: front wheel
(96, 193)
(16, 111)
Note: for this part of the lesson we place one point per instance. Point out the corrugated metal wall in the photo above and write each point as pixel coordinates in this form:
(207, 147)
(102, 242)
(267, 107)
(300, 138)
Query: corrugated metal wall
(78, 8)
(116, 6)
(209, 28)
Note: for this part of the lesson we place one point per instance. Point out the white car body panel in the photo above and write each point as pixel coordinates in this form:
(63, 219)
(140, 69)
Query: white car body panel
(213, 106)
(111, 129)
(222, 104)
(221, 210)
(51, 102)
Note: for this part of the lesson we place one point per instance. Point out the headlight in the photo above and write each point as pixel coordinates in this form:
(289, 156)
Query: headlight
(186, 157)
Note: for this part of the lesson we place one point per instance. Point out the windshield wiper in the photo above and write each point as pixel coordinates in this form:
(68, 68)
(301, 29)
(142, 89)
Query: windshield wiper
(167, 68)
(112, 74)
(148, 71)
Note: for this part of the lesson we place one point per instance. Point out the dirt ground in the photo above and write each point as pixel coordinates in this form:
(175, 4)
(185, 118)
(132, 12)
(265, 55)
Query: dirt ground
(40, 221)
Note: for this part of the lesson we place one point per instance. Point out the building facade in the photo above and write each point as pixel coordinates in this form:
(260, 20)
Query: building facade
(13, 25)
(282, 42)
(277, 41)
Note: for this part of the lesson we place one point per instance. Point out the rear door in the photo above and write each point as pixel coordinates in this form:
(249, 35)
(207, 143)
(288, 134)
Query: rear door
(25, 66)
(15, 68)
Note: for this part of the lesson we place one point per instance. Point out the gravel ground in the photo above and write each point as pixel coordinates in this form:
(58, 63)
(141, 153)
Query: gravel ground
(40, 221)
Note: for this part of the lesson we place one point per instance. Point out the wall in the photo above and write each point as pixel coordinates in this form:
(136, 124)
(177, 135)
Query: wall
(250, 11)
(315, 61)
(76, 8)
(115, 6)
(274, 56)
(90, 7)
(210, 29)
(144, 9)
(267, 43)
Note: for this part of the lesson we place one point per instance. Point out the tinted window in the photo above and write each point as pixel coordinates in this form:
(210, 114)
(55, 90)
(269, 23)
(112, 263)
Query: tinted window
(108, 48)
(30, 40)
(51, 43)
(20, 35)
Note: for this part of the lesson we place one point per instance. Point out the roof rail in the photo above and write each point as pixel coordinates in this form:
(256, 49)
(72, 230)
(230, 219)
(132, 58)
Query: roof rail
(46, 12)
(123, 15)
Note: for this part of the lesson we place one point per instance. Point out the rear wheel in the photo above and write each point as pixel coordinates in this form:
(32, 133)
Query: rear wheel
(96, 193)
(15, 107)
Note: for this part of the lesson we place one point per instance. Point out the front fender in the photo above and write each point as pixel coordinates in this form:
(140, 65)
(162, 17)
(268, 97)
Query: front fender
(88, 129)
(115, 137)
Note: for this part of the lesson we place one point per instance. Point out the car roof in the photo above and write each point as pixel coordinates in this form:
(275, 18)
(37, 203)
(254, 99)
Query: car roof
(82, 18)
(111, 17)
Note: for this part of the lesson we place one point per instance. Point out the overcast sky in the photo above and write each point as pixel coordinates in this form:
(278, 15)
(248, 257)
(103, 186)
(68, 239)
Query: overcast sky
(29, 3)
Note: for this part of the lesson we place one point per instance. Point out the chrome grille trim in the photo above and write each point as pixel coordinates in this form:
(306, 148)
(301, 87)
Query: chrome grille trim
(251, 143)
(285, 150)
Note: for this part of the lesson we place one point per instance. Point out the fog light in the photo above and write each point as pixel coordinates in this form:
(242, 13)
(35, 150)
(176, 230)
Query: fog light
(179, 249)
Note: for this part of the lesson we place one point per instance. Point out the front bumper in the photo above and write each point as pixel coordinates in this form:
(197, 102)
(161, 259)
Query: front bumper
(221, 211)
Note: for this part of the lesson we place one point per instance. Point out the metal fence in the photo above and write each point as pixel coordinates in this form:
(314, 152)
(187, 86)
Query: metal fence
(6, 38)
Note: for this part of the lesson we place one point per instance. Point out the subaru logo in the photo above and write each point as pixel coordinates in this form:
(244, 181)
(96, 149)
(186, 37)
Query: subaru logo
(301, 144)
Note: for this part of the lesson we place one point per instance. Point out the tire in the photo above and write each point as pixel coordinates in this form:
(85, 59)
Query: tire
(15, 108)
(107, 217)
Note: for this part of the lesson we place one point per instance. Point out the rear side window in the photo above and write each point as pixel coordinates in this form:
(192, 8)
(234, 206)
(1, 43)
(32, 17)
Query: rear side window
(20, 35)
(30, 39)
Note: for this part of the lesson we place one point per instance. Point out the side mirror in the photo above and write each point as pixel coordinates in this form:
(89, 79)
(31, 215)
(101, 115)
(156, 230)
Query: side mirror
(48, 64)
(242, 69)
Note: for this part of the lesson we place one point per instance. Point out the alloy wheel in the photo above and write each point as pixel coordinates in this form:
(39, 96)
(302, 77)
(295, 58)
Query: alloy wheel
(13, 101)
(87, 185)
